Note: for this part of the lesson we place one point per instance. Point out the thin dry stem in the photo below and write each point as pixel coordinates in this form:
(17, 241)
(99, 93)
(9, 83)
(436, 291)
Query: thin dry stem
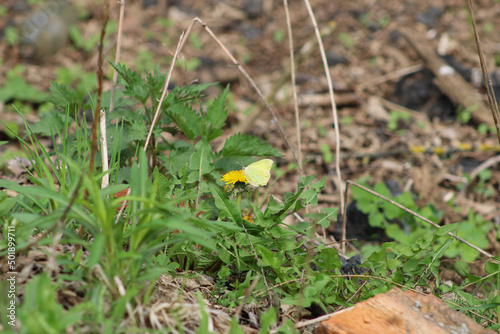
(104, 150)
(100, 75)
(156, 116)
(294, 86)
(340, 183)
(252, 83)
(495, 112)
(301, 56)
(344, 221)
(118, 53)
(424, 219)
(123, 292)
(165, 92)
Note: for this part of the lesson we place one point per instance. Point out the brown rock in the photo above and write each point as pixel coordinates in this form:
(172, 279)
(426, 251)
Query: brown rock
(400, 311)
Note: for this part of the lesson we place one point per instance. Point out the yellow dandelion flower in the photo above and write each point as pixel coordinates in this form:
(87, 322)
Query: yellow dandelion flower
(234, 176)
(248, 218)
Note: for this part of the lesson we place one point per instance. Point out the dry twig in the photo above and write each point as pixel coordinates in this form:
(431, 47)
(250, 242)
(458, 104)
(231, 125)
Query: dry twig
(275, 119)
(294, 85)
(340, 183)
(492, 101)
(490, 256)
(118, 53)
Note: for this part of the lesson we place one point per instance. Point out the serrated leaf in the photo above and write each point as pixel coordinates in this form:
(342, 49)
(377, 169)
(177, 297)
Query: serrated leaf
(135, 131)
(135, 87)
(216, 112)
(186, 118)
(215, 117)
(63, 96)
(191, 92)
(329, 259)
(177, 158)
(155, 82)
(49, 123)
(208, 131)
(242, 145)
(164, 184)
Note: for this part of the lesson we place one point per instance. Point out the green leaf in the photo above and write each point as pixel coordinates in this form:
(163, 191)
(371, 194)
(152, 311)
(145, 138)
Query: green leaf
(50, 122)
(156, 81)
(163, 184)
(491, 267)
(6, 203)
(290, 199)
(267, 320)
(329, 259)
(201, 159)
(403, 250)
(178, 157)
(191, 92)
(41, 311)
(135, 131)
(441, 250)
(375, 218)
(186, 118)
(268, 258)
(393, 264)
(63, 96)
(310, 196)
(215, 117)
(390, 211)
(412, 267)
(227, 207)
(242, 145)
(381, 189)
(446, 228)
(323, 219)
(16, 88)
(135, 86)
(96, 250)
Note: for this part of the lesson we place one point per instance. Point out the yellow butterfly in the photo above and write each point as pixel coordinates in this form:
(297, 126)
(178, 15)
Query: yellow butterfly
(259, 172)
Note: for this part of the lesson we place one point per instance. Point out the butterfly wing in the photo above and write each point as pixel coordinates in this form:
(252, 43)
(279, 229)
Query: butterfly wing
(258, 173)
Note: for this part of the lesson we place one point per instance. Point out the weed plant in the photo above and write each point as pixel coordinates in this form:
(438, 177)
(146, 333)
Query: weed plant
(179, 218)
